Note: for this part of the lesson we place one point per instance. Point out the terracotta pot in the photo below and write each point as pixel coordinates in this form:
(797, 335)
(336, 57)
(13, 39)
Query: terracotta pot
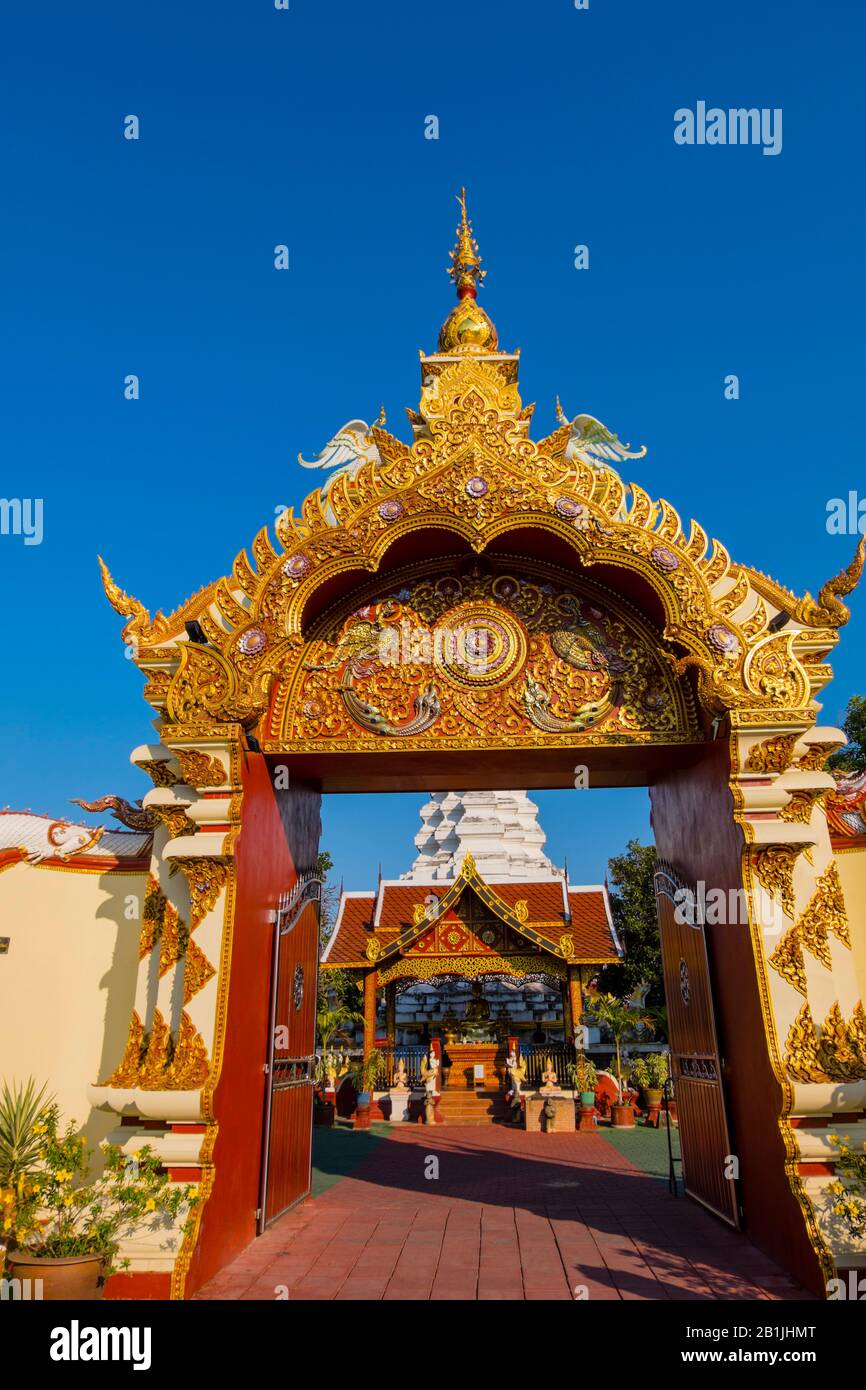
(652, 1097)
(73, 1277)
(621, 1115)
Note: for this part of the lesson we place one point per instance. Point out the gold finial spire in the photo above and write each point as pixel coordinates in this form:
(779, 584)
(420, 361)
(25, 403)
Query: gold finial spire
(465, 269)
(467, 328)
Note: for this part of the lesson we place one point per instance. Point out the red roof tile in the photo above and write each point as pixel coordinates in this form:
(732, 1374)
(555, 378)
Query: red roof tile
(589, 925)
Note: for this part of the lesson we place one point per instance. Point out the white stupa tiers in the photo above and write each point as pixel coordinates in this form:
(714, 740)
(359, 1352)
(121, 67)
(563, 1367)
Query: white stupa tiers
(500, 829)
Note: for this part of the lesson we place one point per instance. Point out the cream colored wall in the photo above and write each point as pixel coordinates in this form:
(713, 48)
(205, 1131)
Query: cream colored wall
(852, 874)
(67, 982)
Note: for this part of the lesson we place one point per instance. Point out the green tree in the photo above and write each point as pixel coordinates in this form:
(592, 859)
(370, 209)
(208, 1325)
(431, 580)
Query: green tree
(633, 908)
(852, 758)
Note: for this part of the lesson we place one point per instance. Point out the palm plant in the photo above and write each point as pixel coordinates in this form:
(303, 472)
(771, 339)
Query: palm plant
(331, 1024)
(21, 1138)
(620, 1019)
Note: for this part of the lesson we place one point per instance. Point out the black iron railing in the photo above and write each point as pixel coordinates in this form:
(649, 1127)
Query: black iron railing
(389, 1060)
(562, 1058)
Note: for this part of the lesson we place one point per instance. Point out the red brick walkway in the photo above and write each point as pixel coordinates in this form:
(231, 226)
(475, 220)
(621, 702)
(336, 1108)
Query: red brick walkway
(511, 1216)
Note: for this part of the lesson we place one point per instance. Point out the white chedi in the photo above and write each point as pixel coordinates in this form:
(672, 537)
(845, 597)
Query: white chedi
(498, 828)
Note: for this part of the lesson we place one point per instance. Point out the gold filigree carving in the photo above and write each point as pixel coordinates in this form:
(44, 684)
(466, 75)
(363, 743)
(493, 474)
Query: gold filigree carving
(373, 949)
(428, 967)
(566, 944)
(801, 805)
(772, 754)
(206, 879)
(155, 903)
(774, 866)
(788, 960)
(160, 771)
(825, 912)
(200, 769)
(175, 820)
(196, 972)
(126, 1073)
(802, 1061)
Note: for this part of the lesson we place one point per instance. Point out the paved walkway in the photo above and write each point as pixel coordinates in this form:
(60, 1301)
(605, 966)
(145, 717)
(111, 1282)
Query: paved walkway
(511, 1216)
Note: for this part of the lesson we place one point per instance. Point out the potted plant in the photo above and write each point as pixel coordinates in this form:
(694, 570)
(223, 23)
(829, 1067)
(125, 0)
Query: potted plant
(657, 1075)
(620, 1019)
(65, 1231)
(585, 1079)
(639, 1076)
(363, 1075)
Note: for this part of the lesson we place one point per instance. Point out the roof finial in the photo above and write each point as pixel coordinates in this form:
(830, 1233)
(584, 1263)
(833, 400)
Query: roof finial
(465, 269)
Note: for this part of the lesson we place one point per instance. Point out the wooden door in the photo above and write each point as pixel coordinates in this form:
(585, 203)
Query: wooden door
(287, 1146)
(695, 1062)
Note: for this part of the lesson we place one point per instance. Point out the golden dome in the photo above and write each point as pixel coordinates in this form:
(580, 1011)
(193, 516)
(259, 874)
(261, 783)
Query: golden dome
(467, 328)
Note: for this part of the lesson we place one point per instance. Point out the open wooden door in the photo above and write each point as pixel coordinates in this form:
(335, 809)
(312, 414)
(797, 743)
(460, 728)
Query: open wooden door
(287, 1145)
(696, 1065)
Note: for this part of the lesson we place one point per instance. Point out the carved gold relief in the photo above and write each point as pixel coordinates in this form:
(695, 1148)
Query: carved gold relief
(774, 866)
(825, 912)
(802, 1061)
(788, 960)
(206, 878)
(772, 754)
(159, 770)
(126, 1073)
(200, 769)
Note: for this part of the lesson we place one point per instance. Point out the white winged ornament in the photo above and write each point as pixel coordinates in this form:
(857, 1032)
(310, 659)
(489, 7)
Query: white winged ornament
(350, 448)
(593, 443)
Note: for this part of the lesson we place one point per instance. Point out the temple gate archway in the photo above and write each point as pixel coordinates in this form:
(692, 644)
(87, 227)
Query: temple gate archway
(555, 617)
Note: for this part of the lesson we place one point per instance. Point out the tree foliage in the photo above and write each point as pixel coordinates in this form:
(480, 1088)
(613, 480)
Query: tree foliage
(633, 908)
(852, 758)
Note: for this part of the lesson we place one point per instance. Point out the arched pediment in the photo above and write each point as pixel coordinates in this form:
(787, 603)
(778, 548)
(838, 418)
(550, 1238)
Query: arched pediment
(473, 475)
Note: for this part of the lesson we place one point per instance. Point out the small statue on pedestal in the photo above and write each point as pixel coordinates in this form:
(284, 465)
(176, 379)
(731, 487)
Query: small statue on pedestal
(548, 1076)
(430, 1076)
(401, 1076)
(516, 1074)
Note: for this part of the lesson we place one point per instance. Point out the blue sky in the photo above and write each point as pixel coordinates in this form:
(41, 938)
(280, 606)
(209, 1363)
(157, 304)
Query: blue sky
(306, 127)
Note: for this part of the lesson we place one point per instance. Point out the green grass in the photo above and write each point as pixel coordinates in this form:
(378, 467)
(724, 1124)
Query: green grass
(646, 1148)
(338, 1151)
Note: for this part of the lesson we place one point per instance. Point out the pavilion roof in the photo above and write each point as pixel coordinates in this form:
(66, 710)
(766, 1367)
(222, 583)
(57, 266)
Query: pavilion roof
(547, 911)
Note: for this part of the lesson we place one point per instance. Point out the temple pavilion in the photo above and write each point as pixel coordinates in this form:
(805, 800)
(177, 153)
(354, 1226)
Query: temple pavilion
(482, 940)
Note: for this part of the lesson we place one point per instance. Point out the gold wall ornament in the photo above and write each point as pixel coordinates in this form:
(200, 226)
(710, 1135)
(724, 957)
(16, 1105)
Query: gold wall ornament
(566, 944)
(173, 941)
(206, 878)
(801, 805)
(175, 820)
(774, 866)
(839, 1050)
(197, 971)
(203, 685)
(160, 771)
(772, 670)
(824, 912)
(125, 1073)
(189, 1066)
(787, 959)
(373, 948)
(156, 1051)
(200, 769)
(772, 754)
(802, 1058)
(521, 910)
(469, 967)
(419, 914)
(152, 913)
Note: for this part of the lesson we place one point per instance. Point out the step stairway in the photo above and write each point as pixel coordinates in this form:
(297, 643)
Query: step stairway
(461, 1106)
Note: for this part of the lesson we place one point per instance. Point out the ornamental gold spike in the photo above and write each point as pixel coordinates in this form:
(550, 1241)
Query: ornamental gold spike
(465, 269)
(124, 604)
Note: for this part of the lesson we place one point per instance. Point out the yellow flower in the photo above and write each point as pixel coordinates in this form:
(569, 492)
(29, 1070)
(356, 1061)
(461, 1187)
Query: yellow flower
(20, 1236)
(63, 1175)
(150, 1205)
(67, 1200)
(7, 1224)
(39, 1129)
